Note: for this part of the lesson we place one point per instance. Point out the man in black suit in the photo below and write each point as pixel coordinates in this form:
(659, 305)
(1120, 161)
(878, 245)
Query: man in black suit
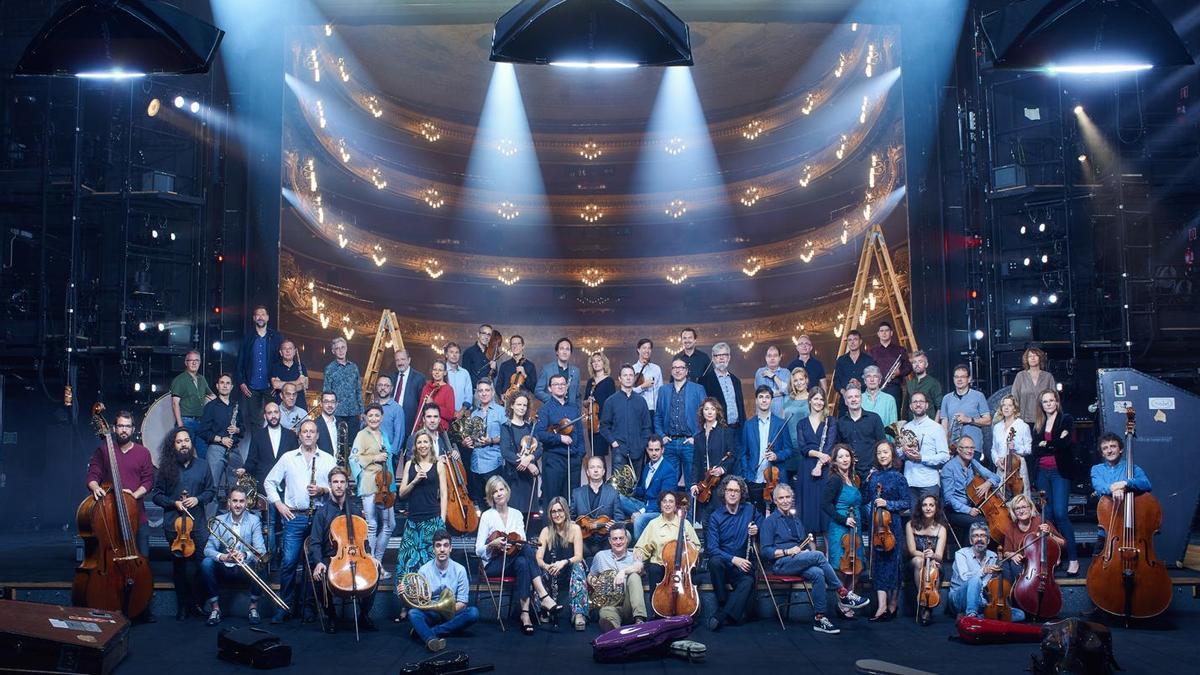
(593, 499)
(267, 444)
(327, 434)
(408, 384)
(724, 386)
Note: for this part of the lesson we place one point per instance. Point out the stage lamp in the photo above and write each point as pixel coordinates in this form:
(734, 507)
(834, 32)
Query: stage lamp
(1041, 227)
(216, 345)
(1078, 110)
(1094, 37)
(1082, 158)
(142, 326)
(1023, 230)
(978, 334)
(1033, 299)
(179, 101)
(120, 39)
(161, 326)
(1053, 299)
(153, 107)
(137, 386)
(195, 107)
(592, 34)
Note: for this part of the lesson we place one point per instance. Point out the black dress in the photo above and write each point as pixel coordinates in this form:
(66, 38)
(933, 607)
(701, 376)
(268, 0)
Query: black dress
(600, 392)
(520, 483)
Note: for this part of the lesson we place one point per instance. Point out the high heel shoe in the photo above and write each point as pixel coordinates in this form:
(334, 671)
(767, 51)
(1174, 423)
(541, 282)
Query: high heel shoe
(548, 614)
(526, 628)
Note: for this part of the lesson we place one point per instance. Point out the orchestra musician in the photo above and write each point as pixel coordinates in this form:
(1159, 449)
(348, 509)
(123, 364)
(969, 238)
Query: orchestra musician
(475, 360)
(507, 520)
(221, 433)
(1009, 422)
(696, 362)
(859, 428)
(1053, 464)
(924, 460)
(322, 548)
(423, 484)
(775, 377)
(625, 422)
(1025, 519)
(259, 348)
(1029, 384)
(183, 484)
(727, 536)
(392, 425)
(442, 572)
(724, 386)
(850, 365)
(486, 457)
(562, 367)
(887, 490)
(956, 477)
(407, 384)
(291, 408)
(964, 411)
(920, 380)
(520, 470)
(628, 568)
(343, 378)
(517, 364)
(218, 564)
(370, 454)
(675, 414)
(973, 566)
(765, 445)
(658, 476)
(137, 475)
(877, 400)
(716, 452)
(598, 388)
(439, 391)
(560, 557)
(596, 499)
(841, 502)
(662, 529)
(817, 436)
(288, 369)
(785, 552)
(1109, 476)
(305, 475)
(458, 378)
(189, 392)
(268, 444)
(431, 422)
(885, 354)
(652, 377)
(811, 364)
(327, 424)
(559, 472)
(926, 535)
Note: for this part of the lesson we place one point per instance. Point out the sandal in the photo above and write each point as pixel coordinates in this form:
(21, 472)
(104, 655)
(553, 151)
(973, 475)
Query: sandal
(526, 628)
(548, 614)
(580, 622)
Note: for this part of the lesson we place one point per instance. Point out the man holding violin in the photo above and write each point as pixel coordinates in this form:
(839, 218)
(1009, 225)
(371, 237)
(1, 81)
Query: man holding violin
(475, 360)
(594, 500)
(765, 446)
(322, 548)
(518, 370)
(727, 540)
(183, 488)
(558, 440)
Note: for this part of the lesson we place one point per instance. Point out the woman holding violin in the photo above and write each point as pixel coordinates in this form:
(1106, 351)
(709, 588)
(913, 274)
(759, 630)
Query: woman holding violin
(596, 391)
(1011, 444)
(714, 455)
(841, 502)
(560, 557)
(887, 492)
(423, 484)
(371, 461)
(439, 391)
(500, 544)
(1053, 464)
(521, 452)
(926, 535)
(793, 407)
(817, 433)
(183, 488)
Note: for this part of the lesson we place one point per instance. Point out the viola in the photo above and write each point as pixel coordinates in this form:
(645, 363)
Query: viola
(882, 536)
(640, 380)
(492, 351)
(592, 526)
(352, 571)
(593, 416)
(515, 381)
(1011, 475)
(1128, 579)
(928, 595)
(383, 487)
(1036, 591)
(705, 487)
(563, 427)
(676, 595)
(998, 589)
(770, 482)
(513, 541)
(851, 564)
(113, 574)
(183, 545)
(993, 508)
(461, 514)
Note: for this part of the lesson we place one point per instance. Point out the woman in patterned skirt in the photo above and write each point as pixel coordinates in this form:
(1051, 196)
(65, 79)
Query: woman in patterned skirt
(423, 484)
(560, 556)
(841, 502)
(886, 491)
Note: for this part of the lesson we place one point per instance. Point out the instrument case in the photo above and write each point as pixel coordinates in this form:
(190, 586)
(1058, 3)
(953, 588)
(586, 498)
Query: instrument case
(639, 640)
(36, 637)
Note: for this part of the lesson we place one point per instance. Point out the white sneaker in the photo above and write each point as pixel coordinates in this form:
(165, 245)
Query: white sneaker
(384, 574)
(824, 625)
(853, 601)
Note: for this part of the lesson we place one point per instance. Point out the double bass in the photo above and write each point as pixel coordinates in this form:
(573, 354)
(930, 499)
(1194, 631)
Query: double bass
(113, 574)
(1127, 579)
(352, 572)
(1035, 590)
(676, 595)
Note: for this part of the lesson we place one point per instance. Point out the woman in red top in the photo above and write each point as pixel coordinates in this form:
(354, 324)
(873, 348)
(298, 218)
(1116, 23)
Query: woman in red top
(438, 390)
(1053, 465)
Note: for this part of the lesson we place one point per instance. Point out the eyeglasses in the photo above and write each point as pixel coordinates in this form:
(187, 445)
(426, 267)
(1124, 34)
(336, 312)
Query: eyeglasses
(678, 367)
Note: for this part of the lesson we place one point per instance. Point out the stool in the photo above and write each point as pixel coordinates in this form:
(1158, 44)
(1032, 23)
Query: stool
(788, 584)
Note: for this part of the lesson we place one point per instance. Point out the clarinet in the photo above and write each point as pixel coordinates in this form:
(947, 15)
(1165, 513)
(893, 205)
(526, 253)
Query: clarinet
(312, 480)
(816, 472)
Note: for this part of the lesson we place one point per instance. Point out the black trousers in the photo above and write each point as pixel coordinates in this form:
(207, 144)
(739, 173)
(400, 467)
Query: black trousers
(184, 574)
(732, 603)
(555, 477)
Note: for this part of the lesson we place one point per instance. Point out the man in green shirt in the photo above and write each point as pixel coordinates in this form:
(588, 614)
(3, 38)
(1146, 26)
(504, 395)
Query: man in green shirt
(920, 380)
(189, 393)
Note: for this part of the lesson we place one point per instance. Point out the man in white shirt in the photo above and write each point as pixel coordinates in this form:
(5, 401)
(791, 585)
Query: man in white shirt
(923, 461)
(652, 377)
(458, 377)
(305, 475)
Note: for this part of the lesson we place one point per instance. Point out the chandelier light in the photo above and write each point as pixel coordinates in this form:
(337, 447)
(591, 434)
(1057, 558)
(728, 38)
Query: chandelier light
(590, 150)
(676, 208)
(507, 210)
(591, 213)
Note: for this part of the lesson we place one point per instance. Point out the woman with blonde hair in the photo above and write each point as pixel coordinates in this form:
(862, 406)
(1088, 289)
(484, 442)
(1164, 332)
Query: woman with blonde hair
(1011, 436)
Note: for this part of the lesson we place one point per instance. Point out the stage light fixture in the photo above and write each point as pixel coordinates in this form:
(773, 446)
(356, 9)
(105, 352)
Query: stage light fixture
(1023, 229)
(179, 101)
(1078, 110)
(1094, 37)
(978, 335)
(154, 389)
(598, 34)
(161, 326)
(1041, 227)
(1082, 158)
(194, 107)
(1053, 299)
(137, 386)
(1045, 258)
(1033, 299)
(120, 39)
(153, 107)
(216, 345)
(142, 326)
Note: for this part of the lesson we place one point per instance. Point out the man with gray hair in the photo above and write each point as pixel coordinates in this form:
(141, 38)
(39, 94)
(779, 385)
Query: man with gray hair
(875, 399)
(973, 567)
(342, 378)
(860, 429)
(627, 578)
(724, 386)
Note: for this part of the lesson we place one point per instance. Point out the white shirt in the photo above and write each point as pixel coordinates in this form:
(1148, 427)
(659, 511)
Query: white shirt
(764, 437)
(460, 382)
(296, 471)
(331, 423)
(650, 393)
(491, 522)
(1022, 441)
(650, 469)
(275, 434)
(935, 452)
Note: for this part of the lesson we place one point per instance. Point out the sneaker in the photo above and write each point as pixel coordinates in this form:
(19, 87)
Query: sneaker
(214, 618)
(824, 625)
(853, 600)
(384, 574)
(435, 644)
(253, 616)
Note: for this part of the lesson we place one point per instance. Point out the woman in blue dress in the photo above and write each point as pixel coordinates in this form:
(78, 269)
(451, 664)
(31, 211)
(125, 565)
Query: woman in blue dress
(886, 490)
(817, 434)
(841, 502)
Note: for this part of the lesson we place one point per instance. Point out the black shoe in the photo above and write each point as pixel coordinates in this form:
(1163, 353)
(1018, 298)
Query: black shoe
(309, 617)
(926, 617)
(366, 624)
(526, 628)
(279, 617)
(331, 627)
(714, 624)
(881, 618)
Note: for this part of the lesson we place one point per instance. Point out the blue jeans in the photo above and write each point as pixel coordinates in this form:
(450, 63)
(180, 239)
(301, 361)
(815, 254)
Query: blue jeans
(294, 532)
(192, 424)
(429, 625)
(681, 452)
(212, 573)
(1058, 491)
(811, 565)
(631, 506)
(968, 598)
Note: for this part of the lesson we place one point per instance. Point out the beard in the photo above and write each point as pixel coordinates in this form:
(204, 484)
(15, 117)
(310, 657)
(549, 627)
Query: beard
(123, 437)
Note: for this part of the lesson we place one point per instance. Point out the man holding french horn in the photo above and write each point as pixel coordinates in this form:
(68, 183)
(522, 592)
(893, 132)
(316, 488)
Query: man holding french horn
(446, 580)
(615, 582)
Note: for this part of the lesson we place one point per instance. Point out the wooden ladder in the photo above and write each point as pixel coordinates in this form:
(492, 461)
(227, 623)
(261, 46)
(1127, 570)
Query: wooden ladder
(387, 336)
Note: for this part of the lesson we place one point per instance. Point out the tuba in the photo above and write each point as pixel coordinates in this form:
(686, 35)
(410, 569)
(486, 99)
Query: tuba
(605, 592)
(413, 589)
(624, 480)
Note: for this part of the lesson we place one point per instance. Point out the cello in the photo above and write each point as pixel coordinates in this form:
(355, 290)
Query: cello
(1035, 590)
(461, 514)
(998, 589)
(994, 510)
(352, 571)
(676, 595)
(113, 574)
(1127, 579)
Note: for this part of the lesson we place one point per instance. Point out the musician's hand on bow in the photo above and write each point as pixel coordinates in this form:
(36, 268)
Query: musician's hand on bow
(98, 493)
(770, 456)
(565, 439)
(533, 470)
(190, 502)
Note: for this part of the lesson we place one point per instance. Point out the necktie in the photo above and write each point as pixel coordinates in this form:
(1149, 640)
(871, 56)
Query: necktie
(399, 387)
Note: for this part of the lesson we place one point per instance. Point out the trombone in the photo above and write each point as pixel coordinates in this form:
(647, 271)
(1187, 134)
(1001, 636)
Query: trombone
(233, 548)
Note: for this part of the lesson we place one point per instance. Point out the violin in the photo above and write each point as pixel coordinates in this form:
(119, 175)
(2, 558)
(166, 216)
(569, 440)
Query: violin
(851, 564)
(183, 546)
(492, 352)
(705, 487)
(513, 542)
(1013, 483)
(461, 514)
(770, 482)
(593, 416)
(113, 574)
(640, 380)
(563, 427)
(882, 537)
(676, 595)
(1128, 579)
(993, 508)
(998, 589)
(593, 526)
(928, 595)
(1036, 591)
(515, 381)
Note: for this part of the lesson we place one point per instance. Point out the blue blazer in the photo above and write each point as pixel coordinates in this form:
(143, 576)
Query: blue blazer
(664, 479)
(542, 390)
(693, 396)
(748, 464)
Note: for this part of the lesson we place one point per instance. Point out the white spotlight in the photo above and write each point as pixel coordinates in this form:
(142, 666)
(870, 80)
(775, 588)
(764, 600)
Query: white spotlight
(195, 107)
(1053, 299)
(161, 326)
(1026, 261)
(1045, 258)
(216, 345)
(1078, 110)
(978, 335)
(142, 325)
(179, 101)
(1041, 227)
(137, 386)
(1033, 299)
(1082, 158)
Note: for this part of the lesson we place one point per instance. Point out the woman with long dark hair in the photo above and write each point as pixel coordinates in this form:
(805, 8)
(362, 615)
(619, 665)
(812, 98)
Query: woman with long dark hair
(842, 501)
(1054, 464)
(886, 491)
(925, 534)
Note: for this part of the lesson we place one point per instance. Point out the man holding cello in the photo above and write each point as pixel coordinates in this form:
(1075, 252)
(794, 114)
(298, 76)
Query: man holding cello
(323, 549)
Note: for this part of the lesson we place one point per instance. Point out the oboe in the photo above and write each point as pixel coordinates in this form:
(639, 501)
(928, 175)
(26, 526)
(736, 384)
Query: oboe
(312, 480)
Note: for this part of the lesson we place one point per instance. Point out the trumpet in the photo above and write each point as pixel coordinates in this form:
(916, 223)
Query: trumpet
(212, 530)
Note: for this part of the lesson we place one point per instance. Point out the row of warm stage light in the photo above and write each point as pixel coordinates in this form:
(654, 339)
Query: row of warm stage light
(592, 277)
(155, 106)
